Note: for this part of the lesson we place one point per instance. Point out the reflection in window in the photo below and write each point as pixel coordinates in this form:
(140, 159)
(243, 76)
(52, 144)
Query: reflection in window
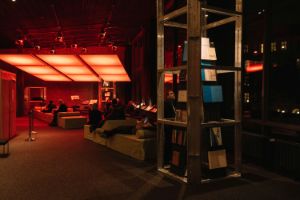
(247, 97)
(246, 48)
(273, 46)
(284, 45)
(262, 48)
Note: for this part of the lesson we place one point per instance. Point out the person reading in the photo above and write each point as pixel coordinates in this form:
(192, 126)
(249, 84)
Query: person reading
(62, 108)
(49, 107)
(95, 118)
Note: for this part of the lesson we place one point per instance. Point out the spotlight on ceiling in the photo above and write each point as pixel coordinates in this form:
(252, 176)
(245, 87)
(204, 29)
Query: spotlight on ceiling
(37, 47)
(13, 0)
(52, 50)
(102, 33)
(19, 42)
(74, 46)
(83, 50)
(59, 37)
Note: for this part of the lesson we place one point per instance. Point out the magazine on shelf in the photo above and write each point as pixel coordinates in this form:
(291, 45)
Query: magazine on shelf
(182, 96)
(215, 137)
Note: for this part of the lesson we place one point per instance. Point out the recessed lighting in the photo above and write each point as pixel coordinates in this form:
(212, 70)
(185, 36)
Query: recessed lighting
(13, 0)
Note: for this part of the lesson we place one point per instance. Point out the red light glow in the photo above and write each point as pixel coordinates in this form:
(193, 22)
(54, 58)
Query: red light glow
(109, 70)
(96, 60)
(254, 68)
(74, 70)
(61, 60)
(84, 78)
(57, 77)
(38, 69)
(117, 78)
(20, 59)
(168, 78)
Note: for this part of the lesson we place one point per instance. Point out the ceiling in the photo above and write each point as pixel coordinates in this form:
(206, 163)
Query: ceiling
(82, 68)
(84, 22)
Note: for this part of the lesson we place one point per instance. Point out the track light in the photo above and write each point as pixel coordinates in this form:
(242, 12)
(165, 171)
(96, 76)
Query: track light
(19, 42)
(37, 47)
(59, 37)
(83, 50)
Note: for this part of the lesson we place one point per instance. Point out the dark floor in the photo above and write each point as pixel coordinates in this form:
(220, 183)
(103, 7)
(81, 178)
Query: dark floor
(60, 164)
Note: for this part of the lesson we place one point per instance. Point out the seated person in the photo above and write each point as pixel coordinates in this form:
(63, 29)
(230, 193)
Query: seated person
(43, 103)
(116, 113)
(49, 107)
(95, 117)
(62, 108)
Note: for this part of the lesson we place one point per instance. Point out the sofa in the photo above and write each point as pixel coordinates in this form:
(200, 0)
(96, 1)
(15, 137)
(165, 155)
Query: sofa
(65, 120)
(45, 117)
(141, 145)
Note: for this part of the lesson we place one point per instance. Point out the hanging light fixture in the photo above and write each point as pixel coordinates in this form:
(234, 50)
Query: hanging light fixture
(59, 37)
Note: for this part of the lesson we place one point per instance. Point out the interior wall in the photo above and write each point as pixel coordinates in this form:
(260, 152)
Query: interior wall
(63, 90)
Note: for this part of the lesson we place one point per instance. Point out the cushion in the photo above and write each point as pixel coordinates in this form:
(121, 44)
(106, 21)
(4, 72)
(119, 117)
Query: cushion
(144, 133)
(66, 114)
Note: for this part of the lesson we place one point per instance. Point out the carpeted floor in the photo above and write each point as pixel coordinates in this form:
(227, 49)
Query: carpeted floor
(60, 164)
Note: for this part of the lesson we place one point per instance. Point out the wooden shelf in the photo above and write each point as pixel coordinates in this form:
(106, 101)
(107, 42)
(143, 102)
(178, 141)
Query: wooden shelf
(223, 122)
(172, 175)
(172, 122)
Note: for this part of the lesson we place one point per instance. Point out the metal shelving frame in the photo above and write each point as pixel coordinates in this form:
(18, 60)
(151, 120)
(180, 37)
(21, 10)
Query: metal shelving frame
(195, 124)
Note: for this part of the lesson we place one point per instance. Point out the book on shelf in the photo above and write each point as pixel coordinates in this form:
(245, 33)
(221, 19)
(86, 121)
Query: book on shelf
(181, 115)
(212, 94)
(217, 159)
(208, 75)
(175, 158)
(179, 137)
(216, 136)
(182, 96)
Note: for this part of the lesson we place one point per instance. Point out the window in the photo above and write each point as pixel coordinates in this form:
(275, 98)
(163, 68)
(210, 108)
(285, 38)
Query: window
(261, 48)
(284, 45)
(246, 48)
(273, 46)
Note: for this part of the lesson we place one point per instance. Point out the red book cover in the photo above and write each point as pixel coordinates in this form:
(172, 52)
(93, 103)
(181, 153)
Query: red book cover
(175, 158)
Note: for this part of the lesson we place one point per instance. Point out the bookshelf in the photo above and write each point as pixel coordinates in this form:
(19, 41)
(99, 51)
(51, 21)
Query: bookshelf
(198, 97)
(106, 91)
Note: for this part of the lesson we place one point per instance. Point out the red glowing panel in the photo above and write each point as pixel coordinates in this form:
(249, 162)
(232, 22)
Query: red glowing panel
(37, 69)
(253, 66)
(61, 60)
(57, 77)
(96, 60)
(74, 70)
(109, 69)
(20, 59)
(84, 78)
(168, 78)
(117, 78)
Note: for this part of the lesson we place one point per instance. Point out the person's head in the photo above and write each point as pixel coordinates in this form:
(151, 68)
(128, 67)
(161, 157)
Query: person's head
(60, 101)
(170, 95)
(95, 106)
(50, 102)
(114, 102)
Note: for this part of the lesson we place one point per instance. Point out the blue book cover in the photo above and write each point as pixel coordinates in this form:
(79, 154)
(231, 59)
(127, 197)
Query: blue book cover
(212, 94)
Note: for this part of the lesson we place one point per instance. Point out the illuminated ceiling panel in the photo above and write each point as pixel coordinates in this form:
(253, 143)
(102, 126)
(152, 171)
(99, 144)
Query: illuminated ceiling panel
(21, 59)
(96, 60)
(84, 78)
(109, 69)
(38, 69)
(117, 78)
(57, 77)
(61, 60)
(74, 70)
